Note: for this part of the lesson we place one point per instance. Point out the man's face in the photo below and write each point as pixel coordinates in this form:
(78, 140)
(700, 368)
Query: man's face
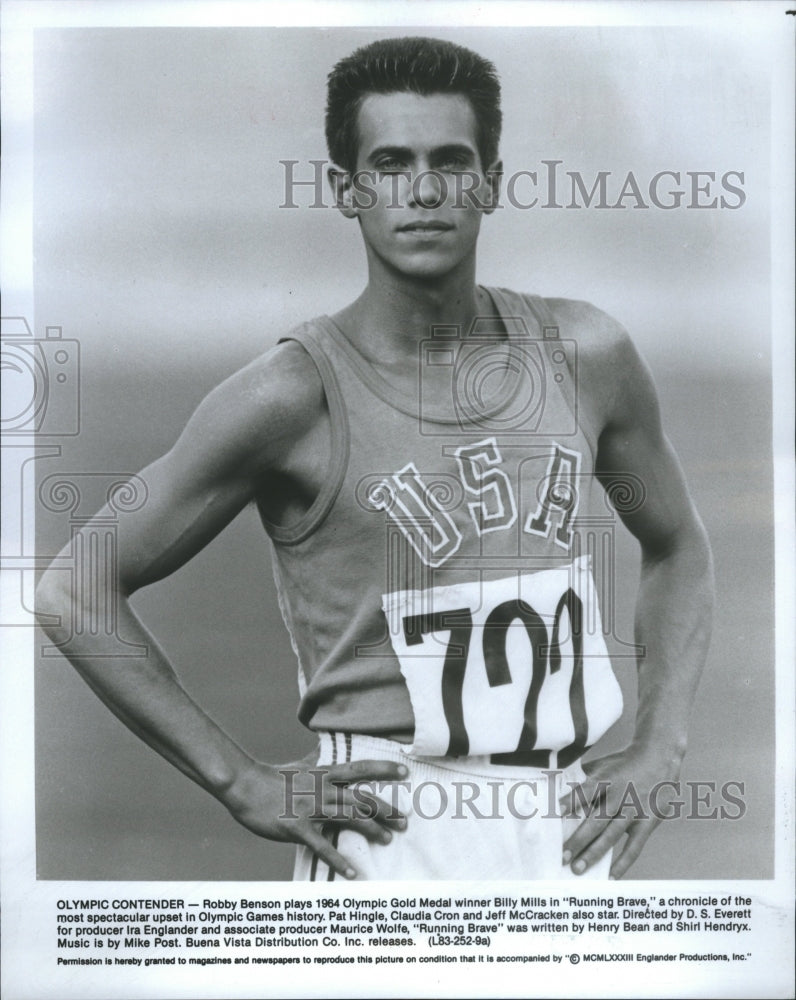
(422, 187)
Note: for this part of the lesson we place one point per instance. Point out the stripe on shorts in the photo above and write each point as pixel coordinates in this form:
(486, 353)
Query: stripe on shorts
(345, 748)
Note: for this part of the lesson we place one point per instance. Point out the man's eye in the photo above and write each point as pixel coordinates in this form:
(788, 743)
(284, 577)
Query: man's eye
(390, 166)
(453, 163)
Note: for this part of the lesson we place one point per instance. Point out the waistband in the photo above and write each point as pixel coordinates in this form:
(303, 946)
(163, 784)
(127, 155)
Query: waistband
(342, 748)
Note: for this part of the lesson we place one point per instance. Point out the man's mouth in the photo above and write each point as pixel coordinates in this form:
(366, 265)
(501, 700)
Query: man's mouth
(425, 227)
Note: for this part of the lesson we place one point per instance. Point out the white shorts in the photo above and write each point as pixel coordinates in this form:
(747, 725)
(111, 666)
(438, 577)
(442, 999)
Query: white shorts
(467, 819)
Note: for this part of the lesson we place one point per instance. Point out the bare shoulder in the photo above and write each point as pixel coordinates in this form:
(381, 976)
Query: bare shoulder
(600, 337)
(281, 382)
(613, 379)
(258, 413)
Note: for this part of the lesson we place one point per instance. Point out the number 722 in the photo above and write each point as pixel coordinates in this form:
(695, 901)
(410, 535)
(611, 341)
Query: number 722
(459, 622)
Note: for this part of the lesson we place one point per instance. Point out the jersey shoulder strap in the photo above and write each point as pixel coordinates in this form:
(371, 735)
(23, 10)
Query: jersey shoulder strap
(544, 316)
(552, 341)
(305, 335)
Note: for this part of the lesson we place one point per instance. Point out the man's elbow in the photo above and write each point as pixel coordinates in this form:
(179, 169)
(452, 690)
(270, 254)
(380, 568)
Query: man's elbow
(66, 595)
(687, 544)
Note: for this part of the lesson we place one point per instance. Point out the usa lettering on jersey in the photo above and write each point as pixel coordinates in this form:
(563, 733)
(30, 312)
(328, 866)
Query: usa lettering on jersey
(490, 499)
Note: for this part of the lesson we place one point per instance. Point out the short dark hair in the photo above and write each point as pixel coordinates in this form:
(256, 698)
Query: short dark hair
(412, 65)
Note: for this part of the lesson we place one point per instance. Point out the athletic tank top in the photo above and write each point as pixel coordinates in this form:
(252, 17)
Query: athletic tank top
(436, 590)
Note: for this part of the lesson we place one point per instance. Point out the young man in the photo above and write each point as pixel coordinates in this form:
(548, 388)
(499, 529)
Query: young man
(423, 462)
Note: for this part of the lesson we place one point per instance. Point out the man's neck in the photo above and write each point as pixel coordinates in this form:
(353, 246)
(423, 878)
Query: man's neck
(394, 313)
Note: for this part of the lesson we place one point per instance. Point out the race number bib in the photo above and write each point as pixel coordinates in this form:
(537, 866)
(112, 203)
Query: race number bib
(516, 668)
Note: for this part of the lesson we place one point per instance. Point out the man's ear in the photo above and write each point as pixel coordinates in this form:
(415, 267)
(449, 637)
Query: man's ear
(343, 190)
(494, 177)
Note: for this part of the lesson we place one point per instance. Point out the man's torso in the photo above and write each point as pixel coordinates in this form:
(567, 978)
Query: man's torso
(471, 494)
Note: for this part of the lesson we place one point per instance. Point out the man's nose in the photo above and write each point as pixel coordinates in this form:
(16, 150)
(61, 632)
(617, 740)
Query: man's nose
(428, 189)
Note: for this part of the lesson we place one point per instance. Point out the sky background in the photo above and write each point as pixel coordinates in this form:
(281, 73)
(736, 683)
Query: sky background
(159, 244)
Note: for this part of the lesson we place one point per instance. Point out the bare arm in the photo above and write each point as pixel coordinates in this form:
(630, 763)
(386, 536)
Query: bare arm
(674, 604)
(675, 600)
(232, 448)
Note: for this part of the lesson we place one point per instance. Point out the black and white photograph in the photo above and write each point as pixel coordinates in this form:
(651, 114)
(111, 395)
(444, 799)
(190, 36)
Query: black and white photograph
(397, 522)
